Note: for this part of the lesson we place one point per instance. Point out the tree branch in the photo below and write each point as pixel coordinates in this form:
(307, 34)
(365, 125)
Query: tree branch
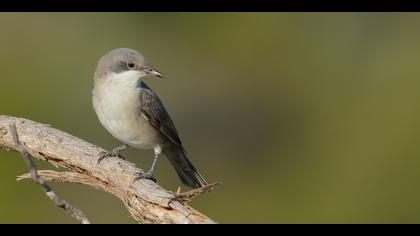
(145, 200)
(73, 211)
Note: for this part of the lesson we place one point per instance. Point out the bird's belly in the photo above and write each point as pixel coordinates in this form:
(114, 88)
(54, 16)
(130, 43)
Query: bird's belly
(137, 134)
(118, 113)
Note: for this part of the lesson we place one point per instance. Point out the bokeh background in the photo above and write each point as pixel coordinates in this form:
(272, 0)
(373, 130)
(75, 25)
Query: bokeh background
(304, 117)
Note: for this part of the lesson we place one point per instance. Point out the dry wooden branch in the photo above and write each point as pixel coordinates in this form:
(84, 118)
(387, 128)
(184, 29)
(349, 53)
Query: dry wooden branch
(33, 174)
(145, 200)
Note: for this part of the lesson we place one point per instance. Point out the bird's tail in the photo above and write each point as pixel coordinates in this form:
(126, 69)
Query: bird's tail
(185, 169)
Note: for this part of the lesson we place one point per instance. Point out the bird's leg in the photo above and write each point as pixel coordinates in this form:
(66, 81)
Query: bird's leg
(150, 174)
(114, 153)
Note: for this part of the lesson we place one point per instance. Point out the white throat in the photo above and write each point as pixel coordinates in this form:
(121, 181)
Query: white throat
(131, 76)
(117, 90)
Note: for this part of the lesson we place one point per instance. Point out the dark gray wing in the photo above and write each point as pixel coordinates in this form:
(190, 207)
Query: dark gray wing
(153, 111)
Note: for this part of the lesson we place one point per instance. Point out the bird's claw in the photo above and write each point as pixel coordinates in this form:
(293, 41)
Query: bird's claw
(141, 175)
(105, 154)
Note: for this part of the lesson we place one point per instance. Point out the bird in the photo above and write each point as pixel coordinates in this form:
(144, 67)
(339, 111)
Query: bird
(133, 113)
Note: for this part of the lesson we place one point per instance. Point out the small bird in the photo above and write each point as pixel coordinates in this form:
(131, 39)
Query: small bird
(134, 114)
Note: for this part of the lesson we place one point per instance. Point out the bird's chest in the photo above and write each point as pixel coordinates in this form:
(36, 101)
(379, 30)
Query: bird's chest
(117, 105)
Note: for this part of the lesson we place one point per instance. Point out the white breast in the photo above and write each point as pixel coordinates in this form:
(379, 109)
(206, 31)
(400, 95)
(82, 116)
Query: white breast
(116, 103)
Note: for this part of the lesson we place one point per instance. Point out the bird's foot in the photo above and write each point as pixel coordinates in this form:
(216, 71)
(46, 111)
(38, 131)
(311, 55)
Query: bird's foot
(105, 154)
(141, 175)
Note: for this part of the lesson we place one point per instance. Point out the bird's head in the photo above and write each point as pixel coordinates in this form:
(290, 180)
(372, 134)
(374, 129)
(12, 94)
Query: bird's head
(125, 61)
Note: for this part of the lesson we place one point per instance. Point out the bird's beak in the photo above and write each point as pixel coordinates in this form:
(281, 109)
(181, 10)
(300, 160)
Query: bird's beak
(154, 72)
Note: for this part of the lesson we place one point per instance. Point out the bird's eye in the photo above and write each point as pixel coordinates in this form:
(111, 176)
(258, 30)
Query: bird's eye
(131, 65)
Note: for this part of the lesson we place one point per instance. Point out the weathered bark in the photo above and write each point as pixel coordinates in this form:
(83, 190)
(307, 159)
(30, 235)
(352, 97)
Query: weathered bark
(145, 200)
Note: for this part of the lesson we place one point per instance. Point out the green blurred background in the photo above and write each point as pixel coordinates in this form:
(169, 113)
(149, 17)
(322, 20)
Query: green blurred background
(304, 117)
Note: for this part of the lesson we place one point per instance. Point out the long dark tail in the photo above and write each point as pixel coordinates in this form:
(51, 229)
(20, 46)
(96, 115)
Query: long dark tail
(185, 169)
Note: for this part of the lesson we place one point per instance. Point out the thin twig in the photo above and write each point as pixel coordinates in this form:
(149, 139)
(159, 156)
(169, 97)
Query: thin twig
(187, 196)
(73, 211)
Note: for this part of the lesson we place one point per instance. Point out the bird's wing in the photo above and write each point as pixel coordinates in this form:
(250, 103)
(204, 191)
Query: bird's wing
(151, 109)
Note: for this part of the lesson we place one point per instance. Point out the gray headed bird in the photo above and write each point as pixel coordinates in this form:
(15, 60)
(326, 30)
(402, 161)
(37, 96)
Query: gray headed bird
(134, 114)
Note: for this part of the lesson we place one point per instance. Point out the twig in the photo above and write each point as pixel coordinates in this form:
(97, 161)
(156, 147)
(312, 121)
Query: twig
(145, 200)
(187, 196)
(71, 210)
